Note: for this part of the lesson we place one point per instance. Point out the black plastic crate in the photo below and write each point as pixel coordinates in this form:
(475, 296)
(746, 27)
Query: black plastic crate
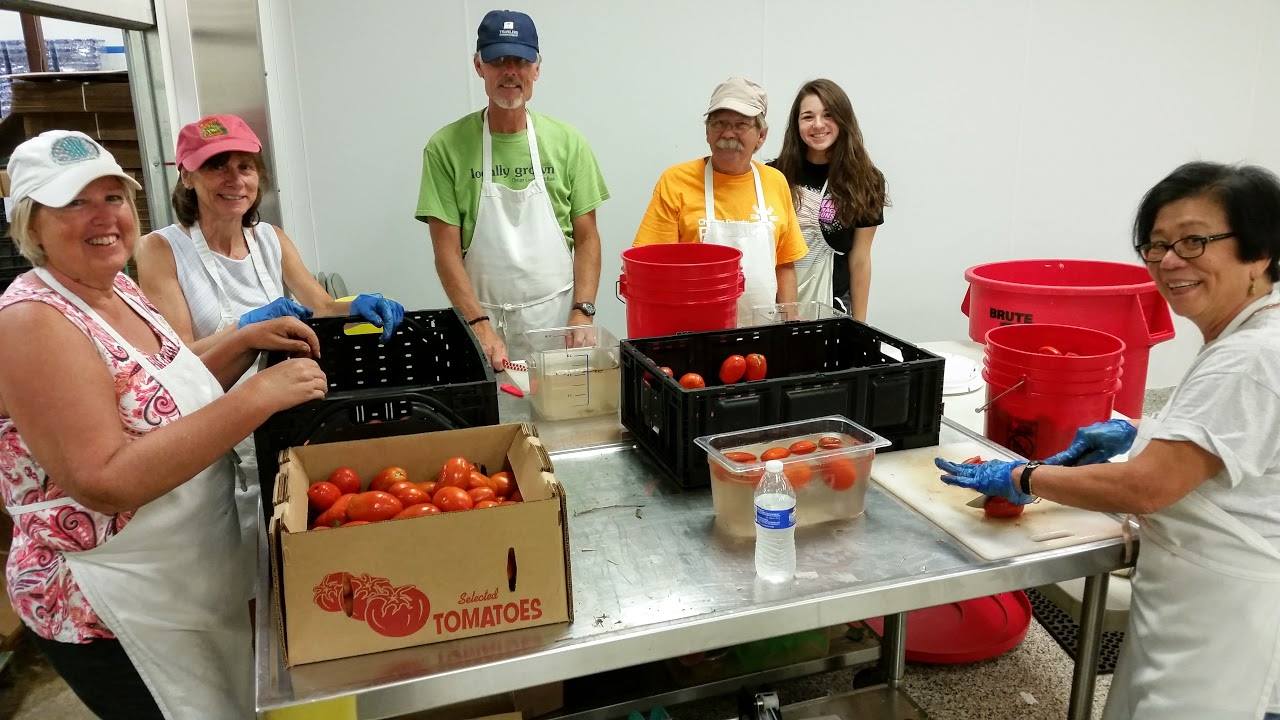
(432, 375)
(836, 366)
(14, 265)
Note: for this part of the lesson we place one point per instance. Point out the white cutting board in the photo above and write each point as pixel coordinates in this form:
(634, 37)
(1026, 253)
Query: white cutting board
(911, 476)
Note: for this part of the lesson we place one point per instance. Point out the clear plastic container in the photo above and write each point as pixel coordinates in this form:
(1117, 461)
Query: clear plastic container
(793, 312)
(574, 372)
(830, 482)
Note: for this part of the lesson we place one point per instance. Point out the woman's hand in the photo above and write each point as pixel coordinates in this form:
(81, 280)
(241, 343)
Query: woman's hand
(380, 311)
(993, 478)
(280, 307)
(1097, 443)
(285, 334)
(287, 384)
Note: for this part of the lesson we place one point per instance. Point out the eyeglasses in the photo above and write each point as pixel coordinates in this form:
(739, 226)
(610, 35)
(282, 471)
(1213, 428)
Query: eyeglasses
(738, 126)
(1189, 247)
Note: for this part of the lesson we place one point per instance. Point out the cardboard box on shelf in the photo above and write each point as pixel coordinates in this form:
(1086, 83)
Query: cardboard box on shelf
(362, 589)
(101, 126)
(73, 91)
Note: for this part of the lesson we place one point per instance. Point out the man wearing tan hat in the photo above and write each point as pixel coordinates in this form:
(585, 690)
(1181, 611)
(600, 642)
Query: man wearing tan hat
(729, 199)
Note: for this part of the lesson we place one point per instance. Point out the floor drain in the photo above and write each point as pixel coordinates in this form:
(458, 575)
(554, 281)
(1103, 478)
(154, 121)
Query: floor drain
(1064, 629)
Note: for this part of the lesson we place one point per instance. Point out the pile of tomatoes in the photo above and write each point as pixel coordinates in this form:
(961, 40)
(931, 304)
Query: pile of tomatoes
(839, 473)
(735, 368)
(392, 495)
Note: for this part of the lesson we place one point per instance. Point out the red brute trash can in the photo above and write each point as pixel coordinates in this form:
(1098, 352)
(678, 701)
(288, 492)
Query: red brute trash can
(1110, 297)
(679, 287)
(1046, 381)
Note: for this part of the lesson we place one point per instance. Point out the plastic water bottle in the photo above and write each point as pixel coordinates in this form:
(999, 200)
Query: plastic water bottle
(775, 525)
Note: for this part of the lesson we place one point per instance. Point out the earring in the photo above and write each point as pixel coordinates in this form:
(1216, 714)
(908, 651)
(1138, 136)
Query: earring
(1252, 280)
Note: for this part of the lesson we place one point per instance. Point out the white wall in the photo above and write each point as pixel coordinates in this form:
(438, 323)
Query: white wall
(1006, 128)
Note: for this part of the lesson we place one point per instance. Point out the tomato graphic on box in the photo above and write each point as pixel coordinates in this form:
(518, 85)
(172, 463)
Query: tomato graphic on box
(390, 610)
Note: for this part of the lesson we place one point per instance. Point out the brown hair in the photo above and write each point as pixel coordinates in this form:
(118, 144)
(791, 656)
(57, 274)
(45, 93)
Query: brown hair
(854, 182)
(187, 206)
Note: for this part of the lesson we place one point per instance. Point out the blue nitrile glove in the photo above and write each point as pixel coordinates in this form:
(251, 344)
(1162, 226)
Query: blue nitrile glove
(380, 311)
(1097, 443)
(992, 478)
(280, 307)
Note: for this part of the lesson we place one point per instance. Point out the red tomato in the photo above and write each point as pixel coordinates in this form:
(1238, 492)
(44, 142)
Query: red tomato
(973, 460)
(479, 480)
(322, 495)
(799, 473)
(428, 487)
(364, 589)
(374, 506)
(775, 453)
(396, 488)
(451, 498)
(388, 477)
(802, 447)
(1049, 350)
(399, 612)
(829, 441)
(351, 523)
(839, 474)
(515, 496)
(321, 527)
(411, 495)
(667, 371)
(456, 472)
(487, 504)
(421, 509)
(732, 369)
(998, 507)
(481, 493)
(337, 512)
(757, 368)
(502, 483)
(346, 479)
(328, 593)
(739, 456)
(692, 381)
(743, 476)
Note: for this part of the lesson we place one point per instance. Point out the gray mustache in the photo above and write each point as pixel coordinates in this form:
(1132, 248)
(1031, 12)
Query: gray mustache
(728, 144)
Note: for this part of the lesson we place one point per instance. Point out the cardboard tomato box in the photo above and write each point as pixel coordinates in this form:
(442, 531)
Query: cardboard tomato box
(367, 588)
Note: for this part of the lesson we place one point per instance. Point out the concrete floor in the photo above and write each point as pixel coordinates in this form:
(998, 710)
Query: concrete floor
(993, 690)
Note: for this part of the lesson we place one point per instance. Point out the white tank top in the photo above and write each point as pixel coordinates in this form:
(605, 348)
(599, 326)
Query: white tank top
(244, 290)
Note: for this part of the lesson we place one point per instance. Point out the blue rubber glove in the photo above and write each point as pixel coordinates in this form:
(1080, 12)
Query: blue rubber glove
(1097, 443)
(993, 478)
(384, 313)
(278, 308)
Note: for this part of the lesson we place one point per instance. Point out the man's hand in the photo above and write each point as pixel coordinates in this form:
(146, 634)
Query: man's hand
(1097, 443)
(577, 317)
(491, 343)
(993, 478)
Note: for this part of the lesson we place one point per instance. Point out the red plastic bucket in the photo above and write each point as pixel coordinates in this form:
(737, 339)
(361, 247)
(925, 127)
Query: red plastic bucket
(1037, 401)
(679, 287)
(1114, 298)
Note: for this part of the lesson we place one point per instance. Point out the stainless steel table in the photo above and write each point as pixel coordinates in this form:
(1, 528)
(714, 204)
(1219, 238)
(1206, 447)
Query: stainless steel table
(653, 579)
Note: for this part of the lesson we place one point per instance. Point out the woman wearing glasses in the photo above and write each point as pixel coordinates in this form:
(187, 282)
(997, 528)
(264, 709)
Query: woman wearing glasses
(839, 196)
(1204, 473)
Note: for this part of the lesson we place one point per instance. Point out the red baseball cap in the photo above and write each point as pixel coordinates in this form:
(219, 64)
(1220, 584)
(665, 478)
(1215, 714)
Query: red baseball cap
(208, 136)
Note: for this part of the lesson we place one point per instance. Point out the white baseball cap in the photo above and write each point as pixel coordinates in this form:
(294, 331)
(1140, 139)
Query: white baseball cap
(54, 166)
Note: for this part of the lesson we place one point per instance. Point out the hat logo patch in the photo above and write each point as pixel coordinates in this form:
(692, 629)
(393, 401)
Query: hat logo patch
(71, 149)
(212, 128)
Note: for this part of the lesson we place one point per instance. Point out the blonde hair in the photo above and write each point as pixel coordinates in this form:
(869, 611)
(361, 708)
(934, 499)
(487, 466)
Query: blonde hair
(26, 239)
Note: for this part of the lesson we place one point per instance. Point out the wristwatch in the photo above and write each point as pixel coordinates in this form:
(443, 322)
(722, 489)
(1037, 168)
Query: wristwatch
(1024, 480)
(586, 308)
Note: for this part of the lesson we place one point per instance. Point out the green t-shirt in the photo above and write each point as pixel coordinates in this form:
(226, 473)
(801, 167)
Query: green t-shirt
(452, 176)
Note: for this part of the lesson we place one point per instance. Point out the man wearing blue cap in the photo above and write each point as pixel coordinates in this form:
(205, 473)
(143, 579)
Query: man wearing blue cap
(510, 197)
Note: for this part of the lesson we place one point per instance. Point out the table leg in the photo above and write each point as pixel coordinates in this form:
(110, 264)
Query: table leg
(893, 649)
(1093, 607)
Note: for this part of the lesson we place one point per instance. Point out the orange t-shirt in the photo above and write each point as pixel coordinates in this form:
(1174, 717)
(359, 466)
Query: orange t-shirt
(678, 207)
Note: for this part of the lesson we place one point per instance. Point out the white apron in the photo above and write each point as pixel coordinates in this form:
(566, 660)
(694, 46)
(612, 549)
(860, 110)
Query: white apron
(518, 262)
(249, 489)
(1203, 639)
(174, 584)
(813, 271)
(755, 240)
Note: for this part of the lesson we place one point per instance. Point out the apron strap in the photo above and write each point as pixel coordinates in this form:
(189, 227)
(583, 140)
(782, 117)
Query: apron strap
(486, 152)
(16, 510)
(508, 307)
(215, 273)
(709, 193)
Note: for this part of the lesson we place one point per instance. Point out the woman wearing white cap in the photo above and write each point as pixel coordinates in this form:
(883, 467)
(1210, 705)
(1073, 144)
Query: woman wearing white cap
(221, 268)
(127, 563)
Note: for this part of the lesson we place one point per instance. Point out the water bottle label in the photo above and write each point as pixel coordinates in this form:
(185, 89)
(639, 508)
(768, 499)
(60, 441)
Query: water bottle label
(775, 519)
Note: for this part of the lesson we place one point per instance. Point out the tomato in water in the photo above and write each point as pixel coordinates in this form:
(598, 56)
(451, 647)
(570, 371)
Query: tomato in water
(732, 369)
(451, 498)
(737, 456)
(998, 507)
(828, 442)
(798, 473)
(802, 447)
(839, 474)
(388, 477)
(346, 479)
(322, 495)
(775, 453)
(757, 367)
(692, 381)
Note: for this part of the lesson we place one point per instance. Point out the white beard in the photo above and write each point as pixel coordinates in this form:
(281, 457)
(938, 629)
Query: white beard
(515, 104)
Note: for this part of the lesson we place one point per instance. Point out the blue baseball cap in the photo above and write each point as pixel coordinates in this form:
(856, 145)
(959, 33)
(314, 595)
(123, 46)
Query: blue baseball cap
(507, 33)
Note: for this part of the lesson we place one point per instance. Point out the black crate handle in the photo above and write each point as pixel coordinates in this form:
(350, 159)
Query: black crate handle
(422, 407)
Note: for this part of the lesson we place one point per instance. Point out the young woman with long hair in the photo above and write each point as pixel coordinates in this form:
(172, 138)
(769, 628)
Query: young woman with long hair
(839, 196)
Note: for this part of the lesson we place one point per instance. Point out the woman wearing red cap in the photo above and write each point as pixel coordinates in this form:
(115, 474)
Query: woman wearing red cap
(220, 267)
(127, 562)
